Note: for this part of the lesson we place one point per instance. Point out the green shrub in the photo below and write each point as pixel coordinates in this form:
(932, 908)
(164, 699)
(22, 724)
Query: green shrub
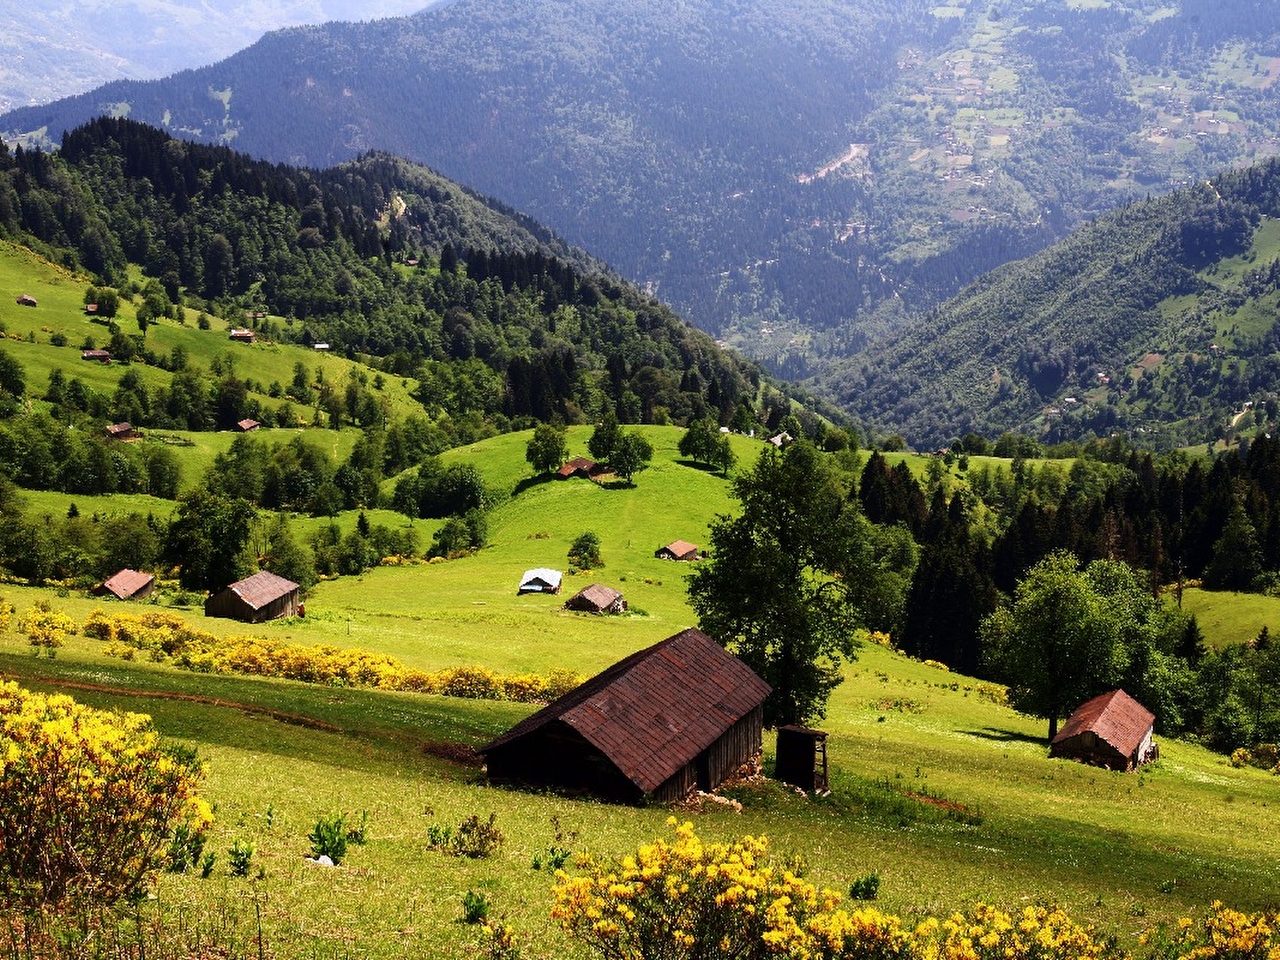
(240, 857)
(865, 888)
(329, 838)
(475, 906)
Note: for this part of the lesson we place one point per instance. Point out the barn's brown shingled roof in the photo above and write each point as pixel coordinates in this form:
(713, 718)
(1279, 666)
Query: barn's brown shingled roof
(655, 711)
(262, 588)
(1114, 717)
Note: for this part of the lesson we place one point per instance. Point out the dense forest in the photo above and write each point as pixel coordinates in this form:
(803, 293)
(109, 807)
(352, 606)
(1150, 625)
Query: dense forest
(797, 177)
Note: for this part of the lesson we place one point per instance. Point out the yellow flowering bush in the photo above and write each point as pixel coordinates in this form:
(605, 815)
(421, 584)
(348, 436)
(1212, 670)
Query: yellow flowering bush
(164, 635)
(1221, 934)
(46, 627)
(690, 899)
(88, 800)
(1039, 933)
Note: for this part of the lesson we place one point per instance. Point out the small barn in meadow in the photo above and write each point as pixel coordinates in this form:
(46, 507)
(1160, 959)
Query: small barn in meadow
(241, 335)
(578, 467)
(1112, 730)
(680, 715)
(256, 599)
(540, 580)
(677, 550)
(247, 425)
(121, 431)
(597, 598)
(26, 300)
(99, 356)
(127, 585)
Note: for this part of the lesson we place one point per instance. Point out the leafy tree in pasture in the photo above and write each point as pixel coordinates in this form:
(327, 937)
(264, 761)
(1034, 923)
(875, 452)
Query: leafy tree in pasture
(584, 552)
(547, 448)
(1072, 634)
(631, 455)
(286, 557)
(778, 589)
(604, 438)
(208, 539)
(722, 456)
(699, 440)
(12, 383)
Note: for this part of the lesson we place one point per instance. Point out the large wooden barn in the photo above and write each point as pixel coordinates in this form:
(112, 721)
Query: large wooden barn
(256, 599)
(597, 598)
(679, 715)
(1112, 730)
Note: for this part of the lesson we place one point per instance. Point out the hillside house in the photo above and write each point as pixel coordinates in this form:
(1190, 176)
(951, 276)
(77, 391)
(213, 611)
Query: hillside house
(101, 356)
(247, 426)
(540, 580)
(597, 598)
(127, 585)
(256, 599)
(780, 440)
(578, 467)
(121, 431)
(1112, 730)
(677, 550)
(241, 335)
(26, 300)
(680, 715)
(90, 309)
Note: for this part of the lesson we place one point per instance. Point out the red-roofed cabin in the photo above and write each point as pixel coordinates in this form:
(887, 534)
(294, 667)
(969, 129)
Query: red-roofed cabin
(677, 550)
(256, 599)
(127, 585)
(1112, 730)
(241, 335)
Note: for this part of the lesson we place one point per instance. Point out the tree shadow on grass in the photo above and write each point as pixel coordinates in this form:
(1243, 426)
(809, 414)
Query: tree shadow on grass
(618, 484)
(529, 483)
(1006, 736)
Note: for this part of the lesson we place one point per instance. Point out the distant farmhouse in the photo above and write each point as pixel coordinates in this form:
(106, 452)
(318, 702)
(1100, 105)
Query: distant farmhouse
(241, 335)
(578, 467)
(677, 550)
(597, 598)
(681, 715)
(1112, 730)
(121, 431)
(101, 356)
(26, 300)
(127, 585)
(247, 425)
(540, 580)
(256, 599)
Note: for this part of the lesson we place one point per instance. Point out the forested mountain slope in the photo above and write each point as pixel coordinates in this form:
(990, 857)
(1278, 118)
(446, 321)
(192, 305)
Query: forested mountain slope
(792, 174)
(378, 258)
(1158, 320)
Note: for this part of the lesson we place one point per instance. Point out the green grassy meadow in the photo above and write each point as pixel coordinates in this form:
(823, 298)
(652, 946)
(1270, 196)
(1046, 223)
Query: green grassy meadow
(946, 794)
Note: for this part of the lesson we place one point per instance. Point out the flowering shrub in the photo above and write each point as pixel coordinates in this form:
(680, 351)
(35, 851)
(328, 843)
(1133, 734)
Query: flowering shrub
(1040, 933)
(1222, 934)
(88, 800)
(46, 627)
(164, 635)
(689, 899)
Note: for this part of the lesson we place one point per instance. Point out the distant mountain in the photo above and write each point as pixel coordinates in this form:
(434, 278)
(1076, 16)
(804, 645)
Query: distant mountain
(1158, 322)
(48, 50)
(797, 176)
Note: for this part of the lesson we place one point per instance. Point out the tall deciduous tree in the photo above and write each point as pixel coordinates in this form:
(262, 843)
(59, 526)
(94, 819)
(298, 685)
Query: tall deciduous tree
(1069, 634)
(778, 589)
(547, 448)
(208, 539)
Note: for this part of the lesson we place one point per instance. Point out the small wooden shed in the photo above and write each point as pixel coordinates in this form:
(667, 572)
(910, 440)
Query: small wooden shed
(101, 356)
(121, 431)
(540, 580)
(247, 425)
(1112, 730)
(597, 598)
(256, 599)
(680, 715)
(677, 550)
(127, 585)
(241, 335)
(578, 467)
(26, 300)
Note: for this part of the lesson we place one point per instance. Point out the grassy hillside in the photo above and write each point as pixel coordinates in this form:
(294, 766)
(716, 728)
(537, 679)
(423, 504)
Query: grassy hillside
(945, 793)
